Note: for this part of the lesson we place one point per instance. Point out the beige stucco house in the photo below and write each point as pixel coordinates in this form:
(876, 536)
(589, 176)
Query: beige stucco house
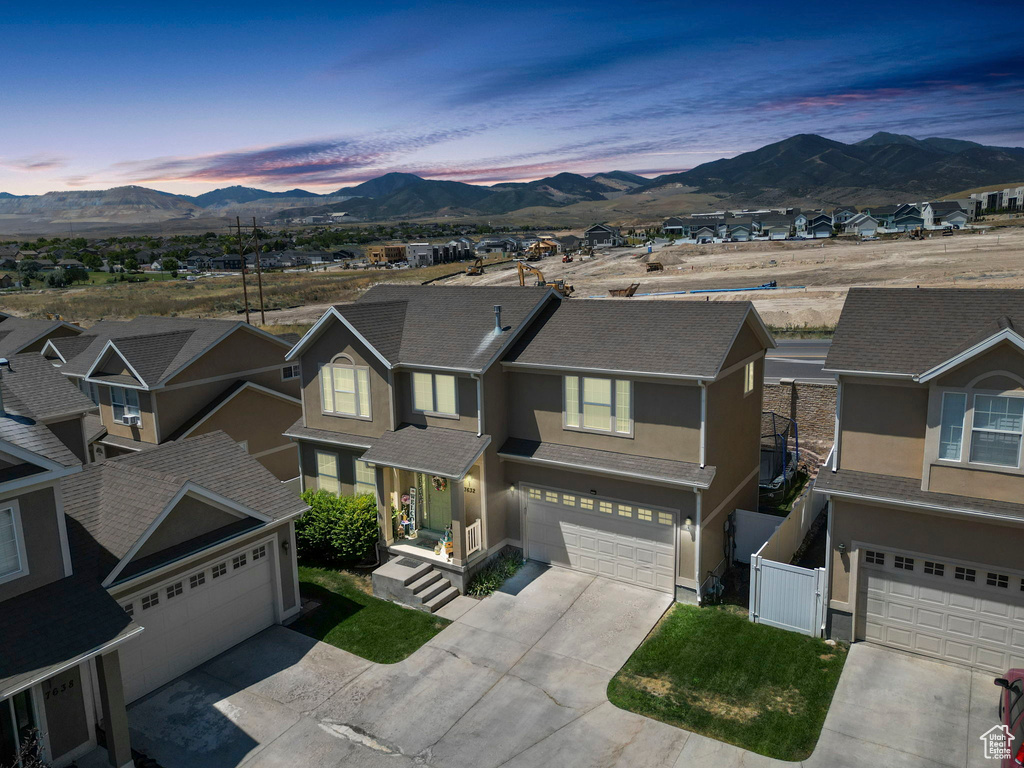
(615, 437)
(160, 379)
(925, 481)
(116, 577)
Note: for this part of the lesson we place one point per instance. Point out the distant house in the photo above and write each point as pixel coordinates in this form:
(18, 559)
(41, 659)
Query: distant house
(569, 242)
(862, 225)
(819, 225)
(496, 244)
(70, 264)
(945, 213)
(740, 232)
(386, 254)
(842, 215)
(6, 281)
(907, 217)
(603, 236)
(883, 214)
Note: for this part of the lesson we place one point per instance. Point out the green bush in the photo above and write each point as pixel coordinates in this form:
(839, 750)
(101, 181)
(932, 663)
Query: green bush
(492, 576)
(337, 530)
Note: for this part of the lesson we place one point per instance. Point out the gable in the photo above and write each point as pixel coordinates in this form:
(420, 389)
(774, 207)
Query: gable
(241, 350)
(237, 417)
(112, 364)
(747, 343)
(1005, 356)
(191, 518)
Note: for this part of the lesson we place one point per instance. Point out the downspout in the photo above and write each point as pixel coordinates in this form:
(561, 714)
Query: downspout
(703, 422)
(478, 377)
(391, 399)
(835, 439)
(827, 597)
(696, 544)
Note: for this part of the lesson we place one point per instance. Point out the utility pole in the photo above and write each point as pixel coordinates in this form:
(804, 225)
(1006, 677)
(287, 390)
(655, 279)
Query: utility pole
(259, 272)
(241, 255)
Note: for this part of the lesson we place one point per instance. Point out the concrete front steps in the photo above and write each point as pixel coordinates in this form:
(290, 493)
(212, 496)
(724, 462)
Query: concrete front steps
(414, 583)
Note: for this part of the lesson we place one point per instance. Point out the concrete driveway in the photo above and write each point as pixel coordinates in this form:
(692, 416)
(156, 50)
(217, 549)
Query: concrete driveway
(520, 680)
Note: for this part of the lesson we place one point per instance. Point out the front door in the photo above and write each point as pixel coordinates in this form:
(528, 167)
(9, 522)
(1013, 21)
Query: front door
(437, 502)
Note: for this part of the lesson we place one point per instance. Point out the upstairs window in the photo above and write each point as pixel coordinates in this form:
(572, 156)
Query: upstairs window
(91, 390)
(997, 429)
(10, 543)
(951, 431)
(291, 372)
(125, 402)
(434, 393)
(599, 405)
(345, 389)
(748, 378)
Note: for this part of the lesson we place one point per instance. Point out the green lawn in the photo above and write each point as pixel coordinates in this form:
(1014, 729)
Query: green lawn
(351, 619)
(711, 671)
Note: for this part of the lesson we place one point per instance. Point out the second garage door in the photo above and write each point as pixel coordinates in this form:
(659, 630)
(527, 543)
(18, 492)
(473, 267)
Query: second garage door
(627, 542)
(197, 616)
(967, 614)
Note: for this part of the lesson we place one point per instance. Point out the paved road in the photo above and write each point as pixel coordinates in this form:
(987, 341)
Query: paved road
(800, 359)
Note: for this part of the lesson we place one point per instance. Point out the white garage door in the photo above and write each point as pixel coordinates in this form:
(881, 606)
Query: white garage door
(968, 614)
(196, 616)
(628, 542)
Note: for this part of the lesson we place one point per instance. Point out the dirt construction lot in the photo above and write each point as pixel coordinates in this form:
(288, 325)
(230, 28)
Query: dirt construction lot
(821, 271)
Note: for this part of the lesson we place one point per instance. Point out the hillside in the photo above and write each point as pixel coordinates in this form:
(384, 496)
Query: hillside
(882, 166)
(239, 195)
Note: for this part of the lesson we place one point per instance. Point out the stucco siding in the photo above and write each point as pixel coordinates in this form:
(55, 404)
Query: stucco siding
(882, 428)
(1002, 357)
(144, 433)
(242, 350)
(733, 434)
(190, 518)
(70, 432)
(42, 543)
(253, 416)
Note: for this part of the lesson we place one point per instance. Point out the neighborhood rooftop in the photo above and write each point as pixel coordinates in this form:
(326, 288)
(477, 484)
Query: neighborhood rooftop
(910, 331)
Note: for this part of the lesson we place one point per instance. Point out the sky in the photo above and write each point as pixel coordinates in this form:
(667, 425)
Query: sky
(187, 97)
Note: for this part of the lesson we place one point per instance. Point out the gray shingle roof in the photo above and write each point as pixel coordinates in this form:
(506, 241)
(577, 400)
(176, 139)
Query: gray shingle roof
(300, 432)
(49, 626)
(908, 491)
(433, 450)
(639, 468)
(111, 504)
(16, 333)
(911, 330)
(682, 338)
(150, 343)
(448, 327)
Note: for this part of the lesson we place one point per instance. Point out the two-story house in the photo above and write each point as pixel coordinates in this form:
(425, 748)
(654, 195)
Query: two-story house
(21, 334)
(615, 437)
(926, 481)
(119, 576)
(159, 379)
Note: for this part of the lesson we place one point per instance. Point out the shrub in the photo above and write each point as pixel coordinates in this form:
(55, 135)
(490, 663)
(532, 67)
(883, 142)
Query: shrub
(337, 530)
(495, 573)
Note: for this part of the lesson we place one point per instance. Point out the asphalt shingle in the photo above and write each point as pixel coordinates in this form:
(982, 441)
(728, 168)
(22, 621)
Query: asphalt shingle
(433, 450)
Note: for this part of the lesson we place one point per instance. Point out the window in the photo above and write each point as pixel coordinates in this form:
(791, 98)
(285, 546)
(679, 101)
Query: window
(951, 431)
(748, 378)
(345, 390)
(569, 501)
(129, 609)
(10, 542)
(366, 478)
(220, 569)
(1000, 580)
(291, 372)
(434, 393)
(875, 558)
(259, 553)
(174, 590)
(551, 497)
(586, 503)
(148, 601)
(644, 514)
(605, 506)
(238, 561)
(125, 402)
(996, 433)
(903, 563)
(934, 569)
(328, 476)
(91, 390)
(197, 580)
(664, 518)
(964, 574)
(625, 511)
(601, 405)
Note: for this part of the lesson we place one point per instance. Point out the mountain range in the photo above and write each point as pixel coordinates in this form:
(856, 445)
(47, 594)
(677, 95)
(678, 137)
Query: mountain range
(885, 167)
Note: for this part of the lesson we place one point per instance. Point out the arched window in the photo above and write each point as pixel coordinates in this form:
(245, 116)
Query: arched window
(345, 388)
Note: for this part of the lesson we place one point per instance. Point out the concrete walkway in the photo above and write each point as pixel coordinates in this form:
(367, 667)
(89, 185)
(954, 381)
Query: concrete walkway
(519, 680)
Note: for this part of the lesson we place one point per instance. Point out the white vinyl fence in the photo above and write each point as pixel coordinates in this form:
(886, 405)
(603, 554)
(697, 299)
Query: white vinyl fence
(789, 596)
(753, 529)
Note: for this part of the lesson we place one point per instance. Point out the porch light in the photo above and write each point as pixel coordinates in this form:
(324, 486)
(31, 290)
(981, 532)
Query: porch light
(512, 488)
(842, 549)
(688, 524)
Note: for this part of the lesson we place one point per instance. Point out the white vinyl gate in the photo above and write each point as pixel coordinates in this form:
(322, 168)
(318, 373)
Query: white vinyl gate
(787, 596)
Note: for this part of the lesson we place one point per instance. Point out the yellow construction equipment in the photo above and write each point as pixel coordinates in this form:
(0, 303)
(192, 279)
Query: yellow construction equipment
(558, 285)
(476, 268)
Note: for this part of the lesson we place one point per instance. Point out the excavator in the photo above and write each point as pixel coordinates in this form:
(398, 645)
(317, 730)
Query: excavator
(476, 268)
(558, 285)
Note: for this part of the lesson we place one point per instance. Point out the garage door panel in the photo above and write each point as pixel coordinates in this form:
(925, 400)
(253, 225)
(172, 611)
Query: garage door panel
(979, 623)
(184, 631)
(623, 542)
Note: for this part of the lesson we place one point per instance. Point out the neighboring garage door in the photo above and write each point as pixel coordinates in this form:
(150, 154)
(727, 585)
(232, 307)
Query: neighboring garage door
(627, 542)
(967, 614)
(196, 616)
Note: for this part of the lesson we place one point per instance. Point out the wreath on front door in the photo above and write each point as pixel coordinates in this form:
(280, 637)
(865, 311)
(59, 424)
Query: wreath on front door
(439, 483)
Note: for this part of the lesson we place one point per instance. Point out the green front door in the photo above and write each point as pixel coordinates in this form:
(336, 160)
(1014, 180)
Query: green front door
(437, 504)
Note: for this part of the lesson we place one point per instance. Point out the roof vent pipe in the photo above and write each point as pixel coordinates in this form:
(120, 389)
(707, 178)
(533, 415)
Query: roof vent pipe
(497, 318)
